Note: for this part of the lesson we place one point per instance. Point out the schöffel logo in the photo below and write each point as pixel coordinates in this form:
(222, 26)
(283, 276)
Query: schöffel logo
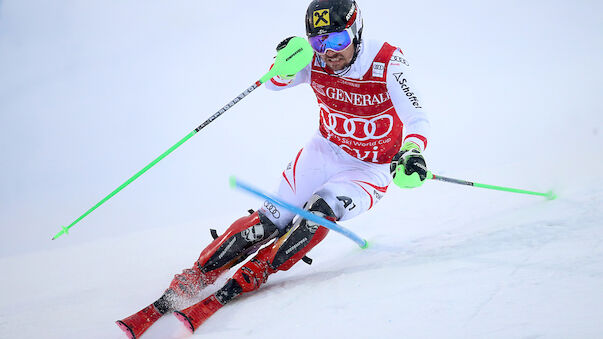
(357, 99)
(406, 89)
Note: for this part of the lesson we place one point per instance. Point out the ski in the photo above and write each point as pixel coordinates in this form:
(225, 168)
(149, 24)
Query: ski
(197, 314)
(138, 323)
(194, 316)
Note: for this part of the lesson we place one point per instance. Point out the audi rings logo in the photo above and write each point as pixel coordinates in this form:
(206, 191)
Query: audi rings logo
(357, 128)
(272, 209)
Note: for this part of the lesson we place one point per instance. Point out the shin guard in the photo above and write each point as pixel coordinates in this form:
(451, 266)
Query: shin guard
(242, 238)
(247, 278)
(302, 237)
(280, 256)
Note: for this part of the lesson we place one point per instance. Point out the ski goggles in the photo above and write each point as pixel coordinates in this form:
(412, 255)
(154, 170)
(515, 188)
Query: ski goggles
(336, 42)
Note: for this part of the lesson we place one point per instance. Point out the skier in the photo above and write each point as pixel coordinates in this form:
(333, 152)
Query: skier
(366, 97)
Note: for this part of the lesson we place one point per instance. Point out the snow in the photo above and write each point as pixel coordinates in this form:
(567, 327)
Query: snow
(90, 92)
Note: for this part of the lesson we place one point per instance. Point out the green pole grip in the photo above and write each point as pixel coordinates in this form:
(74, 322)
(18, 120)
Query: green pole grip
(293, 58)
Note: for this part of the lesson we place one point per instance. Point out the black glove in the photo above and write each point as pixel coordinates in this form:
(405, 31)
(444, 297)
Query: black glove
(407, 162)
(283, 43)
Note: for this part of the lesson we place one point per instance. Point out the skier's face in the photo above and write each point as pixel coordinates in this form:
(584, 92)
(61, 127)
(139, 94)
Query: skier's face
(339, 60)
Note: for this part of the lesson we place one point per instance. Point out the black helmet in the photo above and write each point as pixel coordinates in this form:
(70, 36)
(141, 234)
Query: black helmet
(328, 16)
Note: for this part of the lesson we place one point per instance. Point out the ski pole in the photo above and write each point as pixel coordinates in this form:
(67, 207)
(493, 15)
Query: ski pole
(301, 212)
(550, 195)
(294, 57)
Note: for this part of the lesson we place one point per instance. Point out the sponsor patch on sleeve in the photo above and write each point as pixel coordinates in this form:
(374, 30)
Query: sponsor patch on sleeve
(399, 59)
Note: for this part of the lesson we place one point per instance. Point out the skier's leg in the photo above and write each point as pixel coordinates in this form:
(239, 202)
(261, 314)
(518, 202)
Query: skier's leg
(347, 194)
(353, 189)
(241, 239)
(308, 170)
(282, 255)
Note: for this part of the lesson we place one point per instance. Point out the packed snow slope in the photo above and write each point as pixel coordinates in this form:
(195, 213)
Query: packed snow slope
(91, 91)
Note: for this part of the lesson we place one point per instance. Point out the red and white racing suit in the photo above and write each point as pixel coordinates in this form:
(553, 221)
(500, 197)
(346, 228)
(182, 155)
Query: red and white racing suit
(366, 115)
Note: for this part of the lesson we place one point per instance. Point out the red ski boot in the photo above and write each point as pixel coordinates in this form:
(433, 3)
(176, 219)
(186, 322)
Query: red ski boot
(243, 238)
(135, 325)
(196, 315)
(248, 278)
(280, 256)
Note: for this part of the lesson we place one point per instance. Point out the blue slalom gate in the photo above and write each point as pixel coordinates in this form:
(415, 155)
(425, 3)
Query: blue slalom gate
(301, 212)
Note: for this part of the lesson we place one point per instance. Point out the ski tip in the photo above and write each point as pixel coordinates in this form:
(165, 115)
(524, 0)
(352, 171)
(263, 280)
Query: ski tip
(185, 320)
(232, 181)
(550, 195)
(127, 330)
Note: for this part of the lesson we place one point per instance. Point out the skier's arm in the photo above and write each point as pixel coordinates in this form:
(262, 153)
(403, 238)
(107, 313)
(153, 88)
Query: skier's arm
(278, 83)
(407, 101)
(408, 166)
(281, 82)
